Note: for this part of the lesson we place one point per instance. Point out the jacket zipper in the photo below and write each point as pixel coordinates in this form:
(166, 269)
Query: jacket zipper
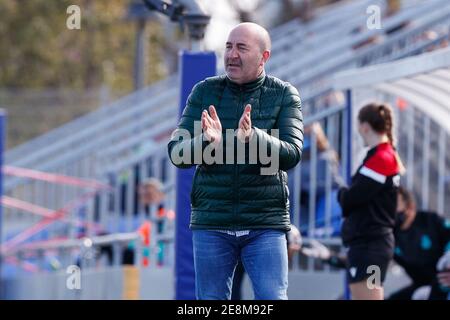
(283, 190)
(236, 173)
(194, 183)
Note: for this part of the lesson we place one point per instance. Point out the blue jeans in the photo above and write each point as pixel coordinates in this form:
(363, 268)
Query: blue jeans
(262, 252)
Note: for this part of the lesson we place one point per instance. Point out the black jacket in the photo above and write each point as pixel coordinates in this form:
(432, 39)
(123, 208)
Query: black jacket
(369, 205)
(237, 196)
(419, 248)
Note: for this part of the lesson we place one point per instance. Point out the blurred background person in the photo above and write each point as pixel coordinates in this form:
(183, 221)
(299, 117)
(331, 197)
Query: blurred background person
(152, 218)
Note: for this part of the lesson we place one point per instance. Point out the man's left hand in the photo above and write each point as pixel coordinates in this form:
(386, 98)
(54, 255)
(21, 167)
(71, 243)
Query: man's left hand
(245, 131)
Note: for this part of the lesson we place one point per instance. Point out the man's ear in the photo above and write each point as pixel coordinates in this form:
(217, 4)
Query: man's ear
(266, 55)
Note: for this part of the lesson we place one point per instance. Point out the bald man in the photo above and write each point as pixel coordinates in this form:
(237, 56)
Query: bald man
(239, 197)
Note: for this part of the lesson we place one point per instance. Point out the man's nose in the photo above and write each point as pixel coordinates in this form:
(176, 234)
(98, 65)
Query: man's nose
(233, 53)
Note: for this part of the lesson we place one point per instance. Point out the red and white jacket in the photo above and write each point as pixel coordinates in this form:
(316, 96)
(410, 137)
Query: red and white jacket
(369, 204)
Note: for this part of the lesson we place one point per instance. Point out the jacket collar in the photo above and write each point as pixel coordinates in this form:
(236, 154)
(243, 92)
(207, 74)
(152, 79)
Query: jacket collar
(249, 86)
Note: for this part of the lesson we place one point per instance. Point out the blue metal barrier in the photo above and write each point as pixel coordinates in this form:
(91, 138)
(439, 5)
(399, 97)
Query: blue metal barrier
(194, 67)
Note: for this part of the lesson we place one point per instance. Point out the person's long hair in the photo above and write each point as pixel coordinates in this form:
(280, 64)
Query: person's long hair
(381, 119)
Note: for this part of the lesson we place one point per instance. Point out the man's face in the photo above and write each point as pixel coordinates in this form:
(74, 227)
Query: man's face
(243, 56)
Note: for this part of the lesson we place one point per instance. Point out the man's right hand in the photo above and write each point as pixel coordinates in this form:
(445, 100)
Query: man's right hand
(212, 128)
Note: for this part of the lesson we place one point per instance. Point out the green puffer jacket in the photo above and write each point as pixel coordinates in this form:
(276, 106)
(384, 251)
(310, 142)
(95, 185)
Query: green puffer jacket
(237, 196)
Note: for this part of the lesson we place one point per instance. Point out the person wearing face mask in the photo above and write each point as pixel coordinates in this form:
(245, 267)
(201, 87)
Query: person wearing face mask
(239, 211)
(421, 239)
(422, 248)
(369, 204)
